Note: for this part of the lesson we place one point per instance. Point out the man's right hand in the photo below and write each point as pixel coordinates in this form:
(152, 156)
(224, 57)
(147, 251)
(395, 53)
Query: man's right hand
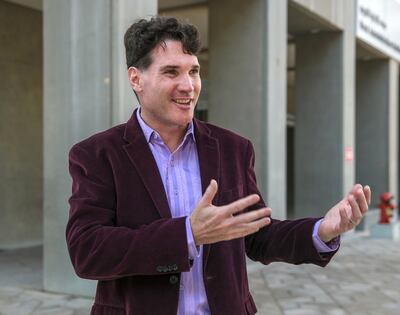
(211, 224)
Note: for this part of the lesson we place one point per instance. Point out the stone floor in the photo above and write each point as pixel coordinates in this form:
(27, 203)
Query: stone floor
(21, 287)
(363, 278)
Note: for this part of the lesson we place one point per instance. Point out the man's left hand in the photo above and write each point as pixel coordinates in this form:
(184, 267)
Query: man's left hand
(346, 214)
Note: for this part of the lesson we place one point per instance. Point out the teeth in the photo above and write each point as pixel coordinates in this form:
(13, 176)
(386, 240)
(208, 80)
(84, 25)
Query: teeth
(183, 101)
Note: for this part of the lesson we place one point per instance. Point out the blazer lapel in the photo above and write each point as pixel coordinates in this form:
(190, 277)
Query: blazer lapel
(142, 158)
(209, 160)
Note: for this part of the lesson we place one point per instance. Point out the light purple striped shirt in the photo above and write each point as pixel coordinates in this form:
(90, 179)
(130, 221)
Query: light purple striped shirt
(180, 174)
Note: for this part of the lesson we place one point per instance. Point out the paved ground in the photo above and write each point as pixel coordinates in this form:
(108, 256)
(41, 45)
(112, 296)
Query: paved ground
(363, 279)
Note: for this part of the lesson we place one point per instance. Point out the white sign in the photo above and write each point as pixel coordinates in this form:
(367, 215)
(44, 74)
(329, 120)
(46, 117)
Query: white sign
(378, 24)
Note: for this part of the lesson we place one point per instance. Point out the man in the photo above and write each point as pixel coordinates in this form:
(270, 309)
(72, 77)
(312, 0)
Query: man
(165, 207)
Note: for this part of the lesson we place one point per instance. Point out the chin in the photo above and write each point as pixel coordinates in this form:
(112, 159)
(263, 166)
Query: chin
(185, 119)
(185, 122)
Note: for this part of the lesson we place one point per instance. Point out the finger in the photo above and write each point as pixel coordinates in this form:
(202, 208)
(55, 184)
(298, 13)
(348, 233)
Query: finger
(252, 216)
(258, 224)
(355, 188)
(241, 204)
(367, 192)
(254, 226)
(245, 229)
(361, 200)
(344, 218)
(346, 206)
(355, 209)
(209, 194)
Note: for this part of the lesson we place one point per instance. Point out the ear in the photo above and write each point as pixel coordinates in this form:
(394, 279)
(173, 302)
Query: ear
(134, 79)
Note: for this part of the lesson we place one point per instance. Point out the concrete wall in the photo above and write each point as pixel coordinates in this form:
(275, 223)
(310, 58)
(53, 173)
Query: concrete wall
(20, 126)
(77, 102)
(85, 92)
(319, 125)
(377, 125)
(372, 125)
(325, 117)
(247, 84)
(331, 11)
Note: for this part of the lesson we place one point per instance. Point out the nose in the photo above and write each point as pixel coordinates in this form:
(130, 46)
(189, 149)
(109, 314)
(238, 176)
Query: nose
(186, 83)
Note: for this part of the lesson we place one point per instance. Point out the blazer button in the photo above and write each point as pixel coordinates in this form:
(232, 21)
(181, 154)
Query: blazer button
(173, 279)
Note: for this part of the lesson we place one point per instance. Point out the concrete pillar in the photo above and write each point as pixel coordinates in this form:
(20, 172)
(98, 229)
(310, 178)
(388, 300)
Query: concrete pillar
(324, 132)
(394, 94)
(124, 13)
(79, 83)
(21, 109)
(247, 84)
(377, 125)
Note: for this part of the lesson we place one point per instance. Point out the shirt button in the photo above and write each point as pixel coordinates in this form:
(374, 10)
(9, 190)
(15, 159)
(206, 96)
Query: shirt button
(173, 279)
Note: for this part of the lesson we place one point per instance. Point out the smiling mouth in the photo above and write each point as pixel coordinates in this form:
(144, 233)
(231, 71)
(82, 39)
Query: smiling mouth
(183, 101)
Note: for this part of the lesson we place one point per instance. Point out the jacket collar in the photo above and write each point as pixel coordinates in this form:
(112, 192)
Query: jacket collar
(207, 149)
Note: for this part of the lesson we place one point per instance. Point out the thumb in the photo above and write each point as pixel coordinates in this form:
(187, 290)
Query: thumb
(209, 194)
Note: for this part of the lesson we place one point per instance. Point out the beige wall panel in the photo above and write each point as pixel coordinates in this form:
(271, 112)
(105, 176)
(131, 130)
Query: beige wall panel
(21, 123)
(331, 10)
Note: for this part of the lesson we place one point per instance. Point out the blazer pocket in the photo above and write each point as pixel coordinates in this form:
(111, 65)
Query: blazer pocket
(100, 309)
(230, 195)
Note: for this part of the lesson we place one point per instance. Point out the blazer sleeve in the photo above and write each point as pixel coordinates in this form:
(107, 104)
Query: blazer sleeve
(101, 250)
(285, 241)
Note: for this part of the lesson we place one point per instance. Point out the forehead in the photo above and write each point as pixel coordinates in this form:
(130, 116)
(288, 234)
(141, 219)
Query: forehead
(171, 52)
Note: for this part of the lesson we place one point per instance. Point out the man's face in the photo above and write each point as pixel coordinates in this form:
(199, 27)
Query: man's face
(169, 88)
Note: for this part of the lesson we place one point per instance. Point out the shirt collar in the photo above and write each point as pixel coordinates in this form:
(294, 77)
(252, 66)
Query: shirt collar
(150, 133)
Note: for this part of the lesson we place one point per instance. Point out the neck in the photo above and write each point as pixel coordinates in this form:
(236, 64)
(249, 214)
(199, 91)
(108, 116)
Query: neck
(172, 137)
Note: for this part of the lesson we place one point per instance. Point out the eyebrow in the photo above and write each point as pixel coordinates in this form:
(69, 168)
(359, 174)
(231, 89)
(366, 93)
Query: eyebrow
(173, 67)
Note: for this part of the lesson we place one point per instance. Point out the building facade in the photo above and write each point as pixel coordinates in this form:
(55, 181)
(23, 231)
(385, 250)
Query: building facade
(314, 84)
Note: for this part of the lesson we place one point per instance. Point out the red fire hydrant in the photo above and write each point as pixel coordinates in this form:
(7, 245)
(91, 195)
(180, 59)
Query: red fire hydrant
(387, 208)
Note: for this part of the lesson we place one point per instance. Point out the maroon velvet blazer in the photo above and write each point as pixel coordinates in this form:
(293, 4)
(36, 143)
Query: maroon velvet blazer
(120, 231)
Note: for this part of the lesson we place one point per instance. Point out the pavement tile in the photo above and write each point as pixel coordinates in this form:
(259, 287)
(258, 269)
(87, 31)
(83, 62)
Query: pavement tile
(363, 278)
(335, 311)
(79, 303)
(54, 311)
(20, 307)
(305, 311)
(6, 292)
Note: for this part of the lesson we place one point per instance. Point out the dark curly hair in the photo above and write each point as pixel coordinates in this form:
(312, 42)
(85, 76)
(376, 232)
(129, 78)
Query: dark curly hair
(142, 36)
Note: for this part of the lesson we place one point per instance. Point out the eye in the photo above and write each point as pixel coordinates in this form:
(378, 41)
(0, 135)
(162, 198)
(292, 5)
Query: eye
(194, 71)
(171, 72)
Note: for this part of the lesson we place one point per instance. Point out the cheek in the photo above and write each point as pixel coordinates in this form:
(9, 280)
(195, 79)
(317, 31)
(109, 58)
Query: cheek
(164, 89)
(197, 86)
